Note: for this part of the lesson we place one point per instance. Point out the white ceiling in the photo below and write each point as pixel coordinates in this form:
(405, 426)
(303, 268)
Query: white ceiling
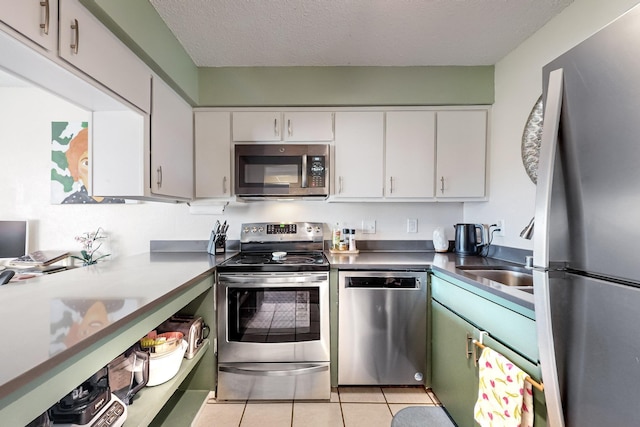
(226, 33)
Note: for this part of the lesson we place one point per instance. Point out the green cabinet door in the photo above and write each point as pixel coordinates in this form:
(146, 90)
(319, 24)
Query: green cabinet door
(454, 375)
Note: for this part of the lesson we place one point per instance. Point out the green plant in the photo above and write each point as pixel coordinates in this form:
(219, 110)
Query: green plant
(91, 242)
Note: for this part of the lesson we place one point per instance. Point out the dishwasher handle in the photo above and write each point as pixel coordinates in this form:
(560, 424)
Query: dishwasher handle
(382, 282)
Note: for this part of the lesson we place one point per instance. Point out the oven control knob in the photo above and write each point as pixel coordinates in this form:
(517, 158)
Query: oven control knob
(261, 229)
(318, 229)
(245, 230)
(254, 229)
(309, 229)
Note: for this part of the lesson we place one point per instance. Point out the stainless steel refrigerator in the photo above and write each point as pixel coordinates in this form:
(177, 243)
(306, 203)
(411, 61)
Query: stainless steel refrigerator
(587, 231)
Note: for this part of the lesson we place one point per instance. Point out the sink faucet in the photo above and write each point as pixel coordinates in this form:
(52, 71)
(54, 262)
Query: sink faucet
(527, 232)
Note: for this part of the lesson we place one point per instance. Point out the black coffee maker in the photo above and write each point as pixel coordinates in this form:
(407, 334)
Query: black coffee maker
(469, 238)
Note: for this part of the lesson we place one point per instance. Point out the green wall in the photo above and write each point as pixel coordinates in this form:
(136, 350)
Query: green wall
(346, 86)
(139, 26)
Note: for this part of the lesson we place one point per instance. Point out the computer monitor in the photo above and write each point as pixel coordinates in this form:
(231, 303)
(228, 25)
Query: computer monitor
(14, 240)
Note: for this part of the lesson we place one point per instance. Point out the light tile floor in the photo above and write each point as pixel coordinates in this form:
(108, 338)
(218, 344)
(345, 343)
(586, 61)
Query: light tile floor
(348, 407)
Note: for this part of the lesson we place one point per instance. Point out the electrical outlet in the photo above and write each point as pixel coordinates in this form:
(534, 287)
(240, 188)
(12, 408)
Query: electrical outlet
(369, 227)
(500, 226)
(412, 225)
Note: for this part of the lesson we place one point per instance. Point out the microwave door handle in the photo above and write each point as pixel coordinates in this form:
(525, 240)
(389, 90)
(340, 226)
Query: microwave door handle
(304, 171)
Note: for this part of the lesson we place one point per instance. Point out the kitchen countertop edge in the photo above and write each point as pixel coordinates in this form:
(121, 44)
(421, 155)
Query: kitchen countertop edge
(446, 263)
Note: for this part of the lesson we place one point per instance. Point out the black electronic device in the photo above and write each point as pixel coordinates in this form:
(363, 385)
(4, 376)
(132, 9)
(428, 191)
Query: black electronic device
(5, 276)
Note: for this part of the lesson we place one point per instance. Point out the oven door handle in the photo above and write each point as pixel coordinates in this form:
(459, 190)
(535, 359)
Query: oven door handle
(260, 280)
(307, 369)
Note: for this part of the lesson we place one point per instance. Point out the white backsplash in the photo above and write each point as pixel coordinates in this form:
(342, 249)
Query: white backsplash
(25, 118)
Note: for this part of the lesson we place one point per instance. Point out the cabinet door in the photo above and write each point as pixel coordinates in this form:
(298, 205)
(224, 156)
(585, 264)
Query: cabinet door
(118, 153)
(89, 46)
(308, 126)
(213, 153)
(454, 377)
(35, 19)
(359, 154)
(461, 153)
(410, 154)
(171, 143)
(259, 126)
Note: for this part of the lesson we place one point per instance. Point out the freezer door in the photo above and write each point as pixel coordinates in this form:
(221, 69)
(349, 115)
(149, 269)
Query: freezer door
(599, 152)
(594, 334)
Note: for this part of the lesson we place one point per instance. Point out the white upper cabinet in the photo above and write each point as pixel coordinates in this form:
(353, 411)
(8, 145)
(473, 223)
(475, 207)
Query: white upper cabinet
(144, 156)
(171, 143)
(264, 126)
(119, 161)
(275, 126)
(35, 19)
(303, 126)
(461, 154)
(88, 45)
(213, 154)
(410, 154)
(359, 147)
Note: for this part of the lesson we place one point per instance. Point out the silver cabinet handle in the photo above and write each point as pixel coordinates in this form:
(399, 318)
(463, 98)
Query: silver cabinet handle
(275, 127)
(469, 345)
(475, 356)
(442, 185)
(391, 185)
(307, 369)
(159, 176)
(224, 185)
(340, 185)
(76, 31)
(289, 127)
(45, 26)
(333, 126)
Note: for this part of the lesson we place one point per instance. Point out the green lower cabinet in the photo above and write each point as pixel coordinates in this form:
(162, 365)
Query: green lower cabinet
(458, 316)
(454, 378)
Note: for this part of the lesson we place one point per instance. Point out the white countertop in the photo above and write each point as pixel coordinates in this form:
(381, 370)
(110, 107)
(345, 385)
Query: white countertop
(50, 318)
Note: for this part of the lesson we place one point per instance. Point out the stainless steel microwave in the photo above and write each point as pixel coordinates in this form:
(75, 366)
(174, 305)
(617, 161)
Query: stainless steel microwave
(282, 170)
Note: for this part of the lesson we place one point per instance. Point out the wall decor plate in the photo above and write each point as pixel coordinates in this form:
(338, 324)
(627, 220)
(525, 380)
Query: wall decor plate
(531, 137)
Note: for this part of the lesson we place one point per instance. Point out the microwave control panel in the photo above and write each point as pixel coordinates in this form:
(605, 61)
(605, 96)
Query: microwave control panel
(316, 171)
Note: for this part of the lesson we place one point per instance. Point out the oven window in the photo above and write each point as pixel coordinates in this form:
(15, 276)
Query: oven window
(273, 315)
(270, 171)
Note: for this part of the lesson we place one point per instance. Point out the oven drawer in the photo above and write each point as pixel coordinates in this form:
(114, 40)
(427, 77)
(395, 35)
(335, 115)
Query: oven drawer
(266, 381)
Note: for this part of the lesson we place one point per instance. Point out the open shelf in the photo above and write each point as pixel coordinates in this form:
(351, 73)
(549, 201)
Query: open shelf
(149, 401)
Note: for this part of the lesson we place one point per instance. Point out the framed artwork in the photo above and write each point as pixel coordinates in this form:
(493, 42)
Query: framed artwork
(70, 165)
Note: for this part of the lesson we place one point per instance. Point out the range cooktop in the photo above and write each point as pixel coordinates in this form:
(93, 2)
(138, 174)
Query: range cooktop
(292, 246)
(268, 258)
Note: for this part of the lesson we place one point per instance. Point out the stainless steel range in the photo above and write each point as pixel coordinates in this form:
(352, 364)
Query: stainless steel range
(273, 315)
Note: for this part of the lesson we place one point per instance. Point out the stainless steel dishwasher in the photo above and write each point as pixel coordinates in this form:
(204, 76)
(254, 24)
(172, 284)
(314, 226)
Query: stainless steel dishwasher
(382, 327)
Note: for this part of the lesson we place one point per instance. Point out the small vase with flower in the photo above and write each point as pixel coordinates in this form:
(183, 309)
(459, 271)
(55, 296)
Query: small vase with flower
(91, 242)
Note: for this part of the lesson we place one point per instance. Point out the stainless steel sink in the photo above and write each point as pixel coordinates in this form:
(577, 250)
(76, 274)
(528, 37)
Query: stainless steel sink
(505, 275)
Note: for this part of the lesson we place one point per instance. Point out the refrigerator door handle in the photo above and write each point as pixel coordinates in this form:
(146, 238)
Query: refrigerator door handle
(546, 348)
(541, 291)
(546, 161)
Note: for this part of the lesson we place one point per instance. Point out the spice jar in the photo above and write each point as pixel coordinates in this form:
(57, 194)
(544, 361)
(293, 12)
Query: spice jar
(344, 239)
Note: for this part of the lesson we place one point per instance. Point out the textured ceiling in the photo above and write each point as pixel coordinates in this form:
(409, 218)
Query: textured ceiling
(226, 33)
